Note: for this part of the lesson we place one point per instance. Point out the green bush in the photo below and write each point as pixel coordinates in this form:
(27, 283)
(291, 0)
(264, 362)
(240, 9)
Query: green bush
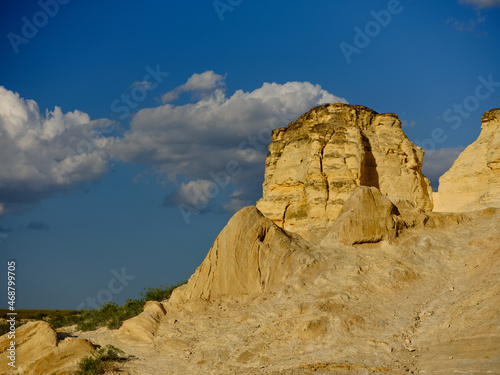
(100, 361)
(40, 315)
(112, 315)
(161, 293)
(4, 328)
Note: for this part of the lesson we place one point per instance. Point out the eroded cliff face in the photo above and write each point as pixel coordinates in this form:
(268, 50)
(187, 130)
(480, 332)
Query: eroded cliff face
(317, 162)
(473, 182)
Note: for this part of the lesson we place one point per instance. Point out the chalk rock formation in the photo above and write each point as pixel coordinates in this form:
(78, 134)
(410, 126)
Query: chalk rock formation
(39, 351)
(318, 161)
(426, 302)
(473, 182)
(251, 255)
(366, 217)
(143, 326)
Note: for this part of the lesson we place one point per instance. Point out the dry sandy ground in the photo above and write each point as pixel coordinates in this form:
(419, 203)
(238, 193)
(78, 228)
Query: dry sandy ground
(426, 304)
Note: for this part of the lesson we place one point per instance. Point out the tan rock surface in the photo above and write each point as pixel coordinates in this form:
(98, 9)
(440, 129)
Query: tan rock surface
(426, 302)
(38, 351)
(143, 326)
(370, 217)
(473, 182)
(366, 217)
(317, 162)
(251, 255)
(63, 359)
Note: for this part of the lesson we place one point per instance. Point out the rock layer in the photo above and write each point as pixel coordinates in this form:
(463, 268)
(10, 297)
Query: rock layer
(473, 182)
(318, 161)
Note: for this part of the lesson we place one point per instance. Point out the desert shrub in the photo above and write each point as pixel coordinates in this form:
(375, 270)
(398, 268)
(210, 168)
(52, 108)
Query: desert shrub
(161, 293)
(112, 315)
(4, 328)
(40, 315)
(101, 361)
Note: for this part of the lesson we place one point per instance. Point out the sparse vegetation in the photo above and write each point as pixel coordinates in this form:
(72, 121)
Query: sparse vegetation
(101, 361)
(58, 318)
(110, 314)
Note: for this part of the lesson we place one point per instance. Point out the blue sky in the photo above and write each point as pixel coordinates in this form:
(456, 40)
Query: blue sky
(130, 132)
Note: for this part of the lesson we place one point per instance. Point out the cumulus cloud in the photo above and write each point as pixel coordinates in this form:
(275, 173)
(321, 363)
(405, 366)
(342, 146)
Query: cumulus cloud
(437, 162)
(217, 141)
(200, 85)
(46, 153)
(481, 3)
(211, 149)
(196, 193)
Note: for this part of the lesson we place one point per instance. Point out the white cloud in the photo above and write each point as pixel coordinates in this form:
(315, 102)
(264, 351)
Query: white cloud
(216, 144)
(200, 85)
(144, 84)
(217, 138)
(196, 194)
(481, 3)
(43, 154)
(437, 162)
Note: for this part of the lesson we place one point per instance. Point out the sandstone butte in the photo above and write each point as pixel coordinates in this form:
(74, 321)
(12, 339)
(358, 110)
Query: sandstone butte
(342, 268)
(316, 163)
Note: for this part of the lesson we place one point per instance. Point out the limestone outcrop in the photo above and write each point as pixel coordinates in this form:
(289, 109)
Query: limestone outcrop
(39, 351)
(366, 217)
(426, 302)
(316, 163)
(473, 182)
(251, 255)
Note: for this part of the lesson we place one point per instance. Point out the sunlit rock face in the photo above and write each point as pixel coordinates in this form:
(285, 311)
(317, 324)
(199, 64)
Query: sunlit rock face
(473, 182)
(318, 161)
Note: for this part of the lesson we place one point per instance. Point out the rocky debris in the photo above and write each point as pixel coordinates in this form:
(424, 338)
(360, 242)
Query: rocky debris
(316, 163)
(38, 351)
(473, 182)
